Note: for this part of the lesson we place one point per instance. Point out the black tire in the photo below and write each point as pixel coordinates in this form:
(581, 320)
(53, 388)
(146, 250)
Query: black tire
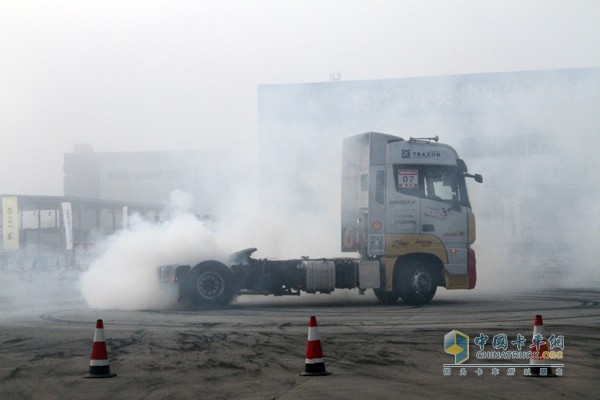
(387, 298)
(418, 282)
(212, 285)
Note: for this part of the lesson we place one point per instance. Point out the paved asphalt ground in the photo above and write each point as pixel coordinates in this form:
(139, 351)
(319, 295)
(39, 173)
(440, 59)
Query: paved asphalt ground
(255, 349)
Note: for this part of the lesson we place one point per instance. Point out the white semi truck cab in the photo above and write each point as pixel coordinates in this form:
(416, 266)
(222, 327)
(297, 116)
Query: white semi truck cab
(405, 203)
(405, 211)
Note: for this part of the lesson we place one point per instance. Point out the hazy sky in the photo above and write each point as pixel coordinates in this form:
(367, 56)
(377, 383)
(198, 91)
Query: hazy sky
(171, 75)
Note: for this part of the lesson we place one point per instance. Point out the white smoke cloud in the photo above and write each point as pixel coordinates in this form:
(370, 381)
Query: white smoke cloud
(537, 217)
(125, 275)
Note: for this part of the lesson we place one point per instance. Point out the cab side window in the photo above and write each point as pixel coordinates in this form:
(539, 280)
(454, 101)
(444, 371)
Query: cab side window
(440, 183)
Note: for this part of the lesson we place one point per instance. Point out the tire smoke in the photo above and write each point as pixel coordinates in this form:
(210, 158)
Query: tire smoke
(125, 275)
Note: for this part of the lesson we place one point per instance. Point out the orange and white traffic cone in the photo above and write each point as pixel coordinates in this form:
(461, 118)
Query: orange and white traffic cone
(539, 349)
(99, 365)
(315, 363)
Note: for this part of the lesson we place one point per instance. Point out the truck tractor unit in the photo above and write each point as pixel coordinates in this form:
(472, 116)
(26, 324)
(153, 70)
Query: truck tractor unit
(405, 211)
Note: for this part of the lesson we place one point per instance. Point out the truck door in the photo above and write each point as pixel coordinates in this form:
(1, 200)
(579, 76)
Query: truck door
(428, 213)
(444, 212)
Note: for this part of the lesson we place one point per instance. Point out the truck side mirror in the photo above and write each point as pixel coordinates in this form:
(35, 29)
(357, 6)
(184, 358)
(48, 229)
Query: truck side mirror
(478, 178)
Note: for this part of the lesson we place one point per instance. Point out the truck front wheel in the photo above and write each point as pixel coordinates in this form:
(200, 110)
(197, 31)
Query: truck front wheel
(417, 283)
(212, 284)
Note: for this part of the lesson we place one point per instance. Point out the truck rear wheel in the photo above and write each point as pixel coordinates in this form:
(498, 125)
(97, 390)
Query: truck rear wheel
(212, 284)
(417, 283)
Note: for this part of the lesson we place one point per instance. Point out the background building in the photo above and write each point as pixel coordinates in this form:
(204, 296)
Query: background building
(50, 231)
(148, 177)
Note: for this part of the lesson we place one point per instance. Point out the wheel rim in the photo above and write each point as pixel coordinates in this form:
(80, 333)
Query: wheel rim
(210, 285)
(421, 282)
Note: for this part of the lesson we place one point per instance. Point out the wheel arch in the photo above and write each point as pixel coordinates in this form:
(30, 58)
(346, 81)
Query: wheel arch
(432, 261)
(203, 264)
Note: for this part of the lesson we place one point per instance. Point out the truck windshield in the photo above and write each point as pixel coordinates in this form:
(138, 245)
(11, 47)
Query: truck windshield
(441, 183)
